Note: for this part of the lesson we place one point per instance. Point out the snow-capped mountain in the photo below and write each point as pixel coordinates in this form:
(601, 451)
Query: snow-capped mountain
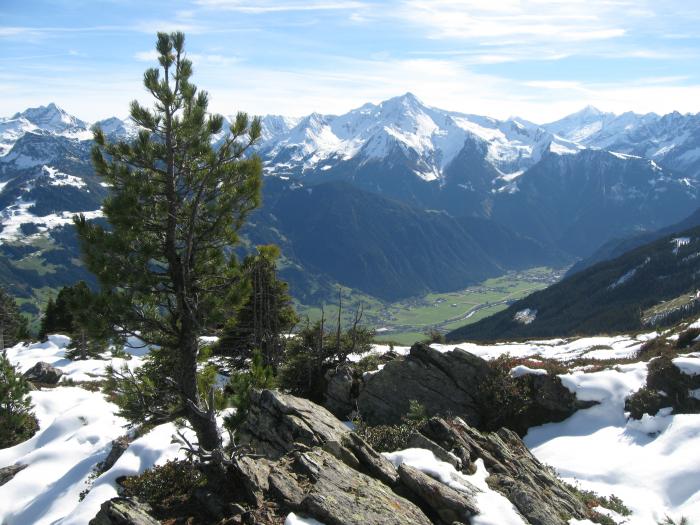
(402, 130)
(672, 140)
(579, 126)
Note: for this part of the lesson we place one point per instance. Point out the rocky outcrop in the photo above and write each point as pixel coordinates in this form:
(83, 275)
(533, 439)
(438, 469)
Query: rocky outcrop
(514, 472)
(43, 373)
(315, 466)
(278, 423)
(8, 473)
(666, 386)
(458, 383)
(124, 511)
(443, 383)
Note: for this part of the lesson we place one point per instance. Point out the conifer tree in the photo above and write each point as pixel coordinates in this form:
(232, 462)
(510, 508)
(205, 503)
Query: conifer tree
(267, 312)
(174, 212)
(11, 321)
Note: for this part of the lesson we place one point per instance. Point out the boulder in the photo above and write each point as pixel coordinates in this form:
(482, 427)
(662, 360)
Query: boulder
(339, 391)
(119, 446)
(43, 373)
(8, 473)
(278, 423)
(449, 504)
(443, 383)
(547, 401)
(514, 472)
(124, 511)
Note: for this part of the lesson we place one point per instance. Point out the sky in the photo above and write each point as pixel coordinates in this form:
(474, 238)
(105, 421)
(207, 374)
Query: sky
(536, 59)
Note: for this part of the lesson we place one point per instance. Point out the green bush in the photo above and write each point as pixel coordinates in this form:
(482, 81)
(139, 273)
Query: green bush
(143, 396)
(160, 486)
(314, 351)
(17, 423)
(240, 386)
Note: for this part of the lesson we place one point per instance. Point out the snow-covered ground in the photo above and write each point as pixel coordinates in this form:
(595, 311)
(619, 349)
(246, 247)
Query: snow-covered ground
(76, 428)
(652, 464)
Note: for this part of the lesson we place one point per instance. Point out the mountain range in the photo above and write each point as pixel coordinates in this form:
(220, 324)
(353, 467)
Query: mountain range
(394, 199)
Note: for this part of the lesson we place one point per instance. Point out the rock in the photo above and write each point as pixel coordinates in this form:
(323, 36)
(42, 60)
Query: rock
(44, 373)
(210, 502)
(448, 503)
(252, 476)
(124, 511)
(278, 423)
(443, 383)
(339, 391)
(339, 495)
(418, 440)
(119, 446)
(666, 386)
(548, 401)
(514, 472)
(8, 473)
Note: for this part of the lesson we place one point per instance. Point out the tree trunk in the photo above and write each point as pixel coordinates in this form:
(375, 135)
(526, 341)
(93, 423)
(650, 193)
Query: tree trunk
(203, 421)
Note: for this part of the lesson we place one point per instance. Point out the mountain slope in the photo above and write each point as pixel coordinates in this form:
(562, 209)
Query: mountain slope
(386, 248)
(616, 247)
(610, 296)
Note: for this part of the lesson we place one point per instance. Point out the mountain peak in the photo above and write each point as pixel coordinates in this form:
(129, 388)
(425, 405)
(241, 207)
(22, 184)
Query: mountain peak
(408, 100)
(51, 118)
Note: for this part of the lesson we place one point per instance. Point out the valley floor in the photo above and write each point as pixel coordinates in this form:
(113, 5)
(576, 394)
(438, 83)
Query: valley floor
(407, 321)
(652, 464)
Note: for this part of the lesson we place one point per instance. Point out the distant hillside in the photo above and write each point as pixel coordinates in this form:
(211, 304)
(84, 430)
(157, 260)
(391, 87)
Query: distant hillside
(385, 248)
(616, 247)
(608, 297)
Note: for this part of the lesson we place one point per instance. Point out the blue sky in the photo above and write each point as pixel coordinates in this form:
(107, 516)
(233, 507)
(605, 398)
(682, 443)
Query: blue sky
(538, 59)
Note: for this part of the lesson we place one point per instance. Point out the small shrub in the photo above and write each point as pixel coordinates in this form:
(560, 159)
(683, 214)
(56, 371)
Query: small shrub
(645, 401)
(17, 423)
(592, 500)
(670, 521)
(368, 363)
(387, 438)
(240, 386)
(416, 412)
(164, 485)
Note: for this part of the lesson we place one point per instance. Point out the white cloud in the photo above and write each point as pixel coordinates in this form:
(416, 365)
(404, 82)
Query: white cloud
(272, 6)
(538, 20)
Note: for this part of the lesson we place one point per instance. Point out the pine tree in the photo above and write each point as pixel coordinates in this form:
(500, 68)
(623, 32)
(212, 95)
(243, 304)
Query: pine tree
(266, 314)
(175, 209)
(11, 321)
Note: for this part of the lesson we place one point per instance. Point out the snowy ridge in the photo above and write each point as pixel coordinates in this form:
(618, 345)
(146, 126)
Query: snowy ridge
(429, 137)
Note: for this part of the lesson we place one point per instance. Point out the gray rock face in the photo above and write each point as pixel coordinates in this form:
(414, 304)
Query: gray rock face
(8, 473)
(43, 372)
(444, 383)
(450, 504)
(124, 511)
(339, 495)
(534, 490)
(277, 423)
